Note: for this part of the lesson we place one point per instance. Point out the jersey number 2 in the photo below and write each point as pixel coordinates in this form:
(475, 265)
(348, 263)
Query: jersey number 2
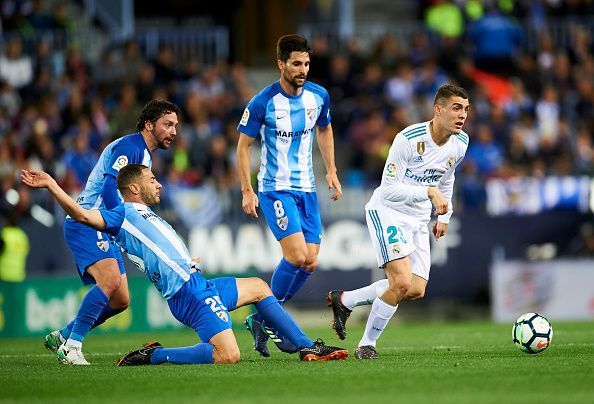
(215, 303)
(394, 234)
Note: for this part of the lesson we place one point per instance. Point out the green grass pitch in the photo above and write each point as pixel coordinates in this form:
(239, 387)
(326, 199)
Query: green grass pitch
(466, 362)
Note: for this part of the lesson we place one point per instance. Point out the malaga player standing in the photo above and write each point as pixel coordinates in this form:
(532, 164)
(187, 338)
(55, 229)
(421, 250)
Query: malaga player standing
(284, 116)
(97, 258)
(418, 173)
(154, 246)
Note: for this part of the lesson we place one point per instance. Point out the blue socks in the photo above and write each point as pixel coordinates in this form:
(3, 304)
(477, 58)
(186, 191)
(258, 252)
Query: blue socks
(106, 313)
(188, 355)
(272, 312)
(90, 309)
(300, 279)
(283, 278)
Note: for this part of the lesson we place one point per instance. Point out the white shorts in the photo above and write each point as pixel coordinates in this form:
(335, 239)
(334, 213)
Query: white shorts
(395, 236)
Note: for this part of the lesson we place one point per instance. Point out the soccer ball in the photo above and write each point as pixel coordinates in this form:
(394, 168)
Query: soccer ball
(532, 333)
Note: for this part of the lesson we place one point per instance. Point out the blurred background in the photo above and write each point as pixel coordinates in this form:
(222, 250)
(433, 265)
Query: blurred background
(75, 74)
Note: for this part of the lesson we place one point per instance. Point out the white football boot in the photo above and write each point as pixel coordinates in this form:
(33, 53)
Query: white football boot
(70, 355)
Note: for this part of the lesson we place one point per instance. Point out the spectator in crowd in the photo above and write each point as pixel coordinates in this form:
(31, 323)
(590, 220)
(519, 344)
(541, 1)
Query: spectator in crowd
(497, 39)
(16, 68)
(14, 250)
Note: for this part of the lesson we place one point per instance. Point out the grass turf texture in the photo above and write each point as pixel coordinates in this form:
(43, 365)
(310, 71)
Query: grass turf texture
(433, 362)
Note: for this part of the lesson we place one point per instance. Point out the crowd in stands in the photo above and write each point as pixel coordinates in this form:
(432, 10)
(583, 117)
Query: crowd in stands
(532, 109)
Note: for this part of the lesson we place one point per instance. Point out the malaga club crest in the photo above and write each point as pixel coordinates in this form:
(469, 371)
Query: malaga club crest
(103, 245)
(311, 114)
(223, 316)
(283, 222)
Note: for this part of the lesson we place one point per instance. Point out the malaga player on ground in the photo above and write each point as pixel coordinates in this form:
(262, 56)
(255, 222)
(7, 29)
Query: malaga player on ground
(154, 246)
(98, 260)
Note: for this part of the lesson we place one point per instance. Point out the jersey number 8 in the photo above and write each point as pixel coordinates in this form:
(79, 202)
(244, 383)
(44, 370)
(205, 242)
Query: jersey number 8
(279, 210)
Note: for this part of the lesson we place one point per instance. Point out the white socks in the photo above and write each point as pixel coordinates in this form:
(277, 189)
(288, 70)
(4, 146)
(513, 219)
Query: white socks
(381, 313)
(365, 295)
(73, 343)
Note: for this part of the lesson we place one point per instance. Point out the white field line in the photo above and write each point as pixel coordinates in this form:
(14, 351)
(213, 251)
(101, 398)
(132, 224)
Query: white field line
(49, 354)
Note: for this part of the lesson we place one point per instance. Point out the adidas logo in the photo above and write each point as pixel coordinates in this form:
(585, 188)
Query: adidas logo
(272, 335)
(419, 159)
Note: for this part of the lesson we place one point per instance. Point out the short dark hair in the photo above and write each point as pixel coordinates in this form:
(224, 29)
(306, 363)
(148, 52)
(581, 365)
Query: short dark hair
(291, 43)
(154, 110)
(447, 91)
(127, 175)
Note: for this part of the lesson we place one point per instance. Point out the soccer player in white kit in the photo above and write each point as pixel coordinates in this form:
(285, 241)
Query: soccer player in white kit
(418, 175)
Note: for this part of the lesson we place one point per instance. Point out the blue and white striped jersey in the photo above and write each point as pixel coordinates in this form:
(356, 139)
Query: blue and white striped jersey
(151, 244)
(130, 149)
(286, 125)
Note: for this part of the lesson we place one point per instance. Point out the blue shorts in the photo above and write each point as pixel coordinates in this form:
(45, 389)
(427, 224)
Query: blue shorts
(204, 305)
(289, 212)
(89, 246)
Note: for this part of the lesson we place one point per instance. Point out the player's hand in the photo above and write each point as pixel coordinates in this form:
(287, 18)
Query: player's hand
(438, 200)
(195, 264)
(249, 203)
(334, 186)
(439, 229)
(36, 179)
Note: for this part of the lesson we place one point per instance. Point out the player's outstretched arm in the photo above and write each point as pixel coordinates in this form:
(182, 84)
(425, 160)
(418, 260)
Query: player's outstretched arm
(249, 201)
(326, 144)
(40, 179)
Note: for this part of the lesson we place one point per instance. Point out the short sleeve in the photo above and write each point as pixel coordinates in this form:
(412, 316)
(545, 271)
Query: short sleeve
(122, 154)
(252, 118)
(113, 219)
(324, 118)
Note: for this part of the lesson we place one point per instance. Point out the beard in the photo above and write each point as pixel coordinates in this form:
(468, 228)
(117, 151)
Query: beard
(293, 80)
(150, 198)
(162, 145)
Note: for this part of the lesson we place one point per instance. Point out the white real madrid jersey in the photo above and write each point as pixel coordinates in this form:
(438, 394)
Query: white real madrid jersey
(415, 162)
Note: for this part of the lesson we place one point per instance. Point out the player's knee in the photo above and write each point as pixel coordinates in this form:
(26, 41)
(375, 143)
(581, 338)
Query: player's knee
(227, 356)
(297, 257)
(109, 284)
(400, 288)
(261, 289)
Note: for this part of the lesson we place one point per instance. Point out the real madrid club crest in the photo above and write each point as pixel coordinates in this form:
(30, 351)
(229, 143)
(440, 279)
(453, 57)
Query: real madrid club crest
(283, 222)
(450, 163)
(103, 245)
(420, 148)
(396, 248)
